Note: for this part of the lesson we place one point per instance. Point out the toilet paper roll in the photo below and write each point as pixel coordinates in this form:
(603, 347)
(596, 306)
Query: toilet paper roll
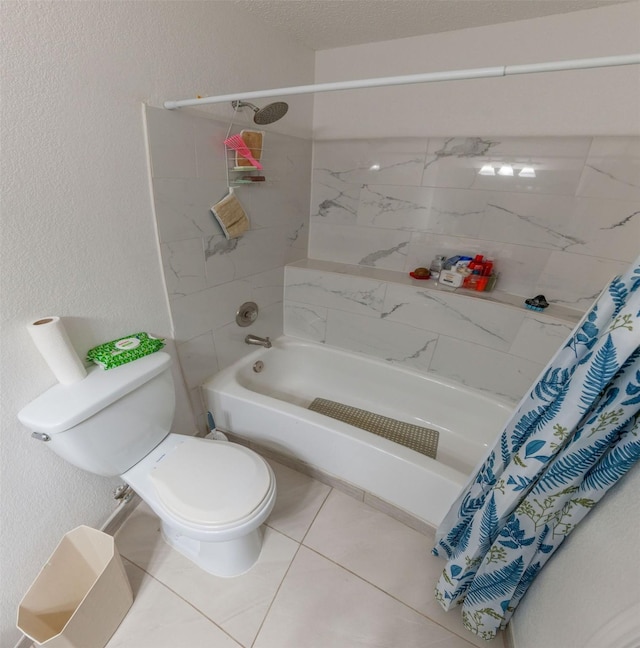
(51, 339)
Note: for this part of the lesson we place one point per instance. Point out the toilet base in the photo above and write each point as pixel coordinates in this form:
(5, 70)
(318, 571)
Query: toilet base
(226, 559)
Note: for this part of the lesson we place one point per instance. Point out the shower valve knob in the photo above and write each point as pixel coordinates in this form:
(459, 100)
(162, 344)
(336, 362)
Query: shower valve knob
(247, 314)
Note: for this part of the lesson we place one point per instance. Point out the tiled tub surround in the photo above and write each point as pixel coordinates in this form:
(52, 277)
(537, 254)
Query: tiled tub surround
(395, 203)
(484, 340)
(208, 277)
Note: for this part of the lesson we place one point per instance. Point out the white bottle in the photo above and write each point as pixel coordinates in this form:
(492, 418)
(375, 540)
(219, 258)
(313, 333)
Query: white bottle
(436, 265)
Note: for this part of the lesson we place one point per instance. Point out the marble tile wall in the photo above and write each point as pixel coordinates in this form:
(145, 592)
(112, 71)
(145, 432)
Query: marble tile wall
(208, 277)
(395, 203)
(390, 205)
(383, 207)
(496, 347)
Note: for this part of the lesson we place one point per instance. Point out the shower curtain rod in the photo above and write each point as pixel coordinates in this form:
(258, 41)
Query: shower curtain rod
(429, 77)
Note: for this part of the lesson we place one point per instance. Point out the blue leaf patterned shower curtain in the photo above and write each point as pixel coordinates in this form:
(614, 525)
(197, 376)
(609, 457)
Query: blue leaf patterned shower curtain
(571, 438)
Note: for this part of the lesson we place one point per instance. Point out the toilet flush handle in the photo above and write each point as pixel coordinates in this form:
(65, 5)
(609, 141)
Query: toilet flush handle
(41, 436)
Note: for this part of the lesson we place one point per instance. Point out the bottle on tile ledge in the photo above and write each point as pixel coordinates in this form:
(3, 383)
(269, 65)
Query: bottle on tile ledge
(488, 279)
(491, 283)
(436, 265)
(471, 281)
(474, 271)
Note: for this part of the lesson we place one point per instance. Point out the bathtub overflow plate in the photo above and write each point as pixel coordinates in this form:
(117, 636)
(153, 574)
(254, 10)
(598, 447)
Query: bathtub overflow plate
(247, 314)
(258, 366)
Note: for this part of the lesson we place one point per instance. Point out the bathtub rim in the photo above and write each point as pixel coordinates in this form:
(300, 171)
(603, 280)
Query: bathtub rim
(421, 486)
(284, 341)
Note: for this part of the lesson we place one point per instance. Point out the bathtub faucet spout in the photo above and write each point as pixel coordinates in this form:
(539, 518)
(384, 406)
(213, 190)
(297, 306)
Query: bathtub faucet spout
(258, 341)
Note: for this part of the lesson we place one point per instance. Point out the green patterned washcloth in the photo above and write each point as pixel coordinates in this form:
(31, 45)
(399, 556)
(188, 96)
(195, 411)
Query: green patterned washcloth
(126, 349)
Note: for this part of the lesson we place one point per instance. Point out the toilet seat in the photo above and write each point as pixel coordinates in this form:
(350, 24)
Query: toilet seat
(211, 483)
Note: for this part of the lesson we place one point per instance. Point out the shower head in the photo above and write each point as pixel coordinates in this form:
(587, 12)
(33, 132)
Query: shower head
(267, 115)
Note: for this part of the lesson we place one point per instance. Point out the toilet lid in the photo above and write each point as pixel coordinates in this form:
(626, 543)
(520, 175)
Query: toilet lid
(211, 482)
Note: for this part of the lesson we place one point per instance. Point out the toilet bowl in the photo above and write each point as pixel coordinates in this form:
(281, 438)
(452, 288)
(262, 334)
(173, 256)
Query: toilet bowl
(211, 496)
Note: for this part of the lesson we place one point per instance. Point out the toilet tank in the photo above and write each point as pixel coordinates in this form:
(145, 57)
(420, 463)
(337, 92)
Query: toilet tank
(111, 419)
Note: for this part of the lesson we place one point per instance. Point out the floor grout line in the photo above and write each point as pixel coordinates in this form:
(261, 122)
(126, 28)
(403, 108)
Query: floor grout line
(395, 598)
(179, 596)
(422, 614)
(289, 567)
(315, 517)
(275, 596)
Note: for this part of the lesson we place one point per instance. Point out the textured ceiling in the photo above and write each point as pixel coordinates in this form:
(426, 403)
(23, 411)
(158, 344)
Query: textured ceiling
(324, 24)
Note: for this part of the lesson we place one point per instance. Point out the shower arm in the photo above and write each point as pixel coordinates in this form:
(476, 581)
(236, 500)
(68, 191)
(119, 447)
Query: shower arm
(429, 77)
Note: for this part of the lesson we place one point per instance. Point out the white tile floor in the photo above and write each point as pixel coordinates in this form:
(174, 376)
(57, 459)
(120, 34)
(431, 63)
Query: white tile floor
(333, 573)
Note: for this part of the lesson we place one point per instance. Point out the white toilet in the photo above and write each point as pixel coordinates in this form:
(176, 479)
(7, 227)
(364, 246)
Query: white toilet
(212, 496)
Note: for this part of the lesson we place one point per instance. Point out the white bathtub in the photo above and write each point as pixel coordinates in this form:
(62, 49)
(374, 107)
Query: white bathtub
(269, 408)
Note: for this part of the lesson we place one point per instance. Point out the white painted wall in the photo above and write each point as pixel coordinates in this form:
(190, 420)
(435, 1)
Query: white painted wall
(78, 229)
(596, 102)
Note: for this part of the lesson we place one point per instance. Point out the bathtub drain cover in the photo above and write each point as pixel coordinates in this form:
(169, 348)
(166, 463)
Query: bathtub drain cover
(420, 439)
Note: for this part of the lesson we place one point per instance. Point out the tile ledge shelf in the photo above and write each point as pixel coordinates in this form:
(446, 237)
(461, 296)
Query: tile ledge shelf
(558, 313)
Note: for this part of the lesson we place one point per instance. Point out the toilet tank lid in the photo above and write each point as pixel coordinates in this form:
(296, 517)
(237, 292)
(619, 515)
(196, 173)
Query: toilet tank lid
(65, 406)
